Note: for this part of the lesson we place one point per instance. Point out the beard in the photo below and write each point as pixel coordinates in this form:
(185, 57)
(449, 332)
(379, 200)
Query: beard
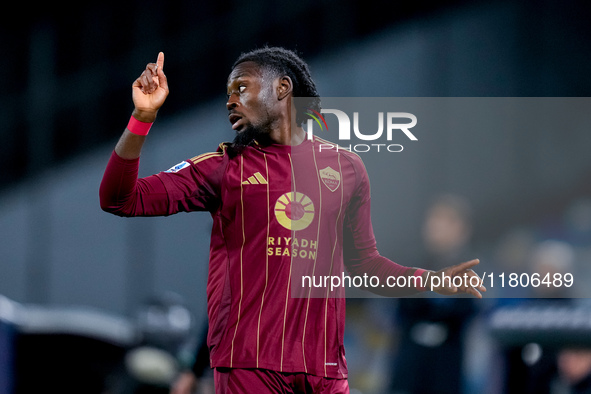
(249, 135)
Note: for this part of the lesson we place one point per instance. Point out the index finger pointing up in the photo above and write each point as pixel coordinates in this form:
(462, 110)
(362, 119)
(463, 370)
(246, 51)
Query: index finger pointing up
(464, 266)
(160, 61)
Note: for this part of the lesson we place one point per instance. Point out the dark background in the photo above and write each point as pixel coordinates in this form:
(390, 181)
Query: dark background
(66, 78)
(67, 68)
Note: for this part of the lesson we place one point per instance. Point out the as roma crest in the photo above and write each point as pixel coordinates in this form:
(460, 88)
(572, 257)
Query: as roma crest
(331, 178)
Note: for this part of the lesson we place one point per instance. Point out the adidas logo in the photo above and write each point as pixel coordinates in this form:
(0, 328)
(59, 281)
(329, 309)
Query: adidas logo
(256, 179)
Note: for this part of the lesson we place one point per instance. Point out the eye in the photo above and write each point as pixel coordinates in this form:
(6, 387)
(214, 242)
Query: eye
(241, 88)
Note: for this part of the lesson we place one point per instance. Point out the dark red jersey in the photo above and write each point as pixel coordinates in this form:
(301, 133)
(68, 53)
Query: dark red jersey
(279, 213)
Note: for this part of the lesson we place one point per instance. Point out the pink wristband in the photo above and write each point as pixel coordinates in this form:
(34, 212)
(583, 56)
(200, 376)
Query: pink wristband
(137, 127)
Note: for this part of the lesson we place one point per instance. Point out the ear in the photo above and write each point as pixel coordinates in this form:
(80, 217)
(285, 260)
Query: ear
(284, 88)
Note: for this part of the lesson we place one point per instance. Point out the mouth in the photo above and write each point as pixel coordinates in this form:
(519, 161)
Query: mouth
(235, 120)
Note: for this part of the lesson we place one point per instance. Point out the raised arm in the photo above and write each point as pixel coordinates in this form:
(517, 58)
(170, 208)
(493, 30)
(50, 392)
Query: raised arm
(121, 193)
(149, 92)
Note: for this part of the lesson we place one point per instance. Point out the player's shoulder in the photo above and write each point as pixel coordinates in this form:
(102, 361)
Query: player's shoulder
(204, 159)
(215, 156)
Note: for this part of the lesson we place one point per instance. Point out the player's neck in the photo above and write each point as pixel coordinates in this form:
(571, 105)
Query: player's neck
(287, 135)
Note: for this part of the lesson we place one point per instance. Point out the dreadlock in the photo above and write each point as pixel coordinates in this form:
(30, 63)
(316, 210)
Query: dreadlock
(281, 62)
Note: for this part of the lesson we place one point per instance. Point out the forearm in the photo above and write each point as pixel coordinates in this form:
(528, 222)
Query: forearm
(388, 272)
(130, 145)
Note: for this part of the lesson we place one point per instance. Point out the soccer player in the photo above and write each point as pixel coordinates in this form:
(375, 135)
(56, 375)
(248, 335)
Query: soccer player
(282, 209)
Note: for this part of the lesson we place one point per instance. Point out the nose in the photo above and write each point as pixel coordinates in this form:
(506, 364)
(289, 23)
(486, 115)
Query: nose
(232, 102)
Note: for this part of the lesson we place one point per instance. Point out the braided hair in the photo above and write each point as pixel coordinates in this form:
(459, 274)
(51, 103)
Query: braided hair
(280, 62)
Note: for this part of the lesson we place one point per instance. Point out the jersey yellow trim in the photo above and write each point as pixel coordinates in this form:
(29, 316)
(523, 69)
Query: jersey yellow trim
(205, 156)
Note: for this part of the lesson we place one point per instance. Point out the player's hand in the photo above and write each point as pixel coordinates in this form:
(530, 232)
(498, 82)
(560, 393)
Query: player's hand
(149, 91)
(442, 282)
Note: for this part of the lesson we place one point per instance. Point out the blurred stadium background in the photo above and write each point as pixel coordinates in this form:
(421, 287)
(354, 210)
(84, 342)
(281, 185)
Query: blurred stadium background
(80, 287)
